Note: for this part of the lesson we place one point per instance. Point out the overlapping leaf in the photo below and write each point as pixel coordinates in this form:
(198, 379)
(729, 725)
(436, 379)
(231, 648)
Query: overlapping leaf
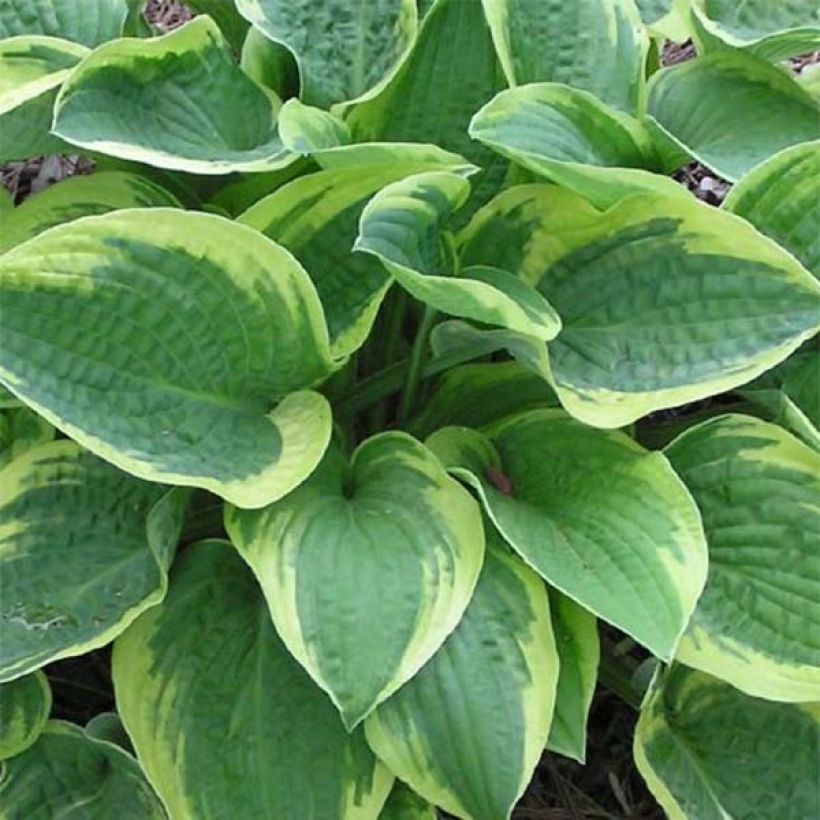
(85, 549)
(224, 721)
(598, 46)
(708, 751)
(67, 771)
(765, 112)
(345, 50)
(32, 68)
(758, 622)
(403, 226)
(573, 139)
(175, 345)
(88, 22)
(490, 687)
(24, 707)
(663, 300)
(77, 197)
(781, 198)
(366, 567)
(595, 514)
(177, 101)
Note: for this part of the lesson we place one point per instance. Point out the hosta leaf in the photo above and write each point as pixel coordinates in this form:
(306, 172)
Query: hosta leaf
(32, 68)
(595, 514)
(573, 139)
(85, 549)
(24, 707)
(765, 112)
(66, 773)
(402, 226)
(344, 50)
(305, 129)
(316, 217)
(781, 198)
(77, 197)
(772, 30)
(576, 638)
(20, 430)
(366, 567)
(231, 726)
(598, 46)
(491, 687)
(108, 726)
(635, 338)
(475, 395)
(404, 804)
(758, 622)
(269, 64)
(202, 330)
(709, 752)
(177, 101)
(89, 22)
(231, 23)
(449, 74)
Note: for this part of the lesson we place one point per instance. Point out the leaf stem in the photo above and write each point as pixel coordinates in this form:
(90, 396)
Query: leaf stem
(616, 677)
(417, 357)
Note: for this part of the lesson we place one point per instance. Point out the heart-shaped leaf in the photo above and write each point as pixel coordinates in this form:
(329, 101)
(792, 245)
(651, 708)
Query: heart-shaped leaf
(758, 621)
(781, 198)
(702, 747)
(765, 112)
(598, 46)
(490, 687)
(77, 197)
(85, 549)
(66, 772)
(88, 22)
(229, 725)
(177, 101)
(595, 514)
(403, 226)
(171, 344)
(24, 707)
(345, 50)
(32, 68)
(573, 139)
(366, 568)
(635, 337)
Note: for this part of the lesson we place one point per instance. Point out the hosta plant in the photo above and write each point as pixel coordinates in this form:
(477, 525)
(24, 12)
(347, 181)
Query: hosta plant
(382, 392)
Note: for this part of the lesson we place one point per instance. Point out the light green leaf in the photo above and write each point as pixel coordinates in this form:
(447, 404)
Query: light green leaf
(573, 139)
(666, 18)
(80, 196)
(316, 217)
(598, 46)
(85, 549)
(404, 804)
(475, 395)
(231, 23)
(781, 198)
(491, 687)
(771, 30)
(403, 225)
(576, 638)
(596, 515)
(451, 71)
(377, 154)
(308, 130)
(345, 51)
(367, 567)
(709, 752)
(269, 64)
(88, 22)
(24, 707)
(20, 430)
(66, 773)
(177, 101)
(766, 111)
(636, 339)
(108, 726)
(203, 331)
(231, 726)
(758, 622)
(6, 200)
(32, 68)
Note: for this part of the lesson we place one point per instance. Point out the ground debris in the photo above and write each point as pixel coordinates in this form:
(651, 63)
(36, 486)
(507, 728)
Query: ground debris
(167, 15)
